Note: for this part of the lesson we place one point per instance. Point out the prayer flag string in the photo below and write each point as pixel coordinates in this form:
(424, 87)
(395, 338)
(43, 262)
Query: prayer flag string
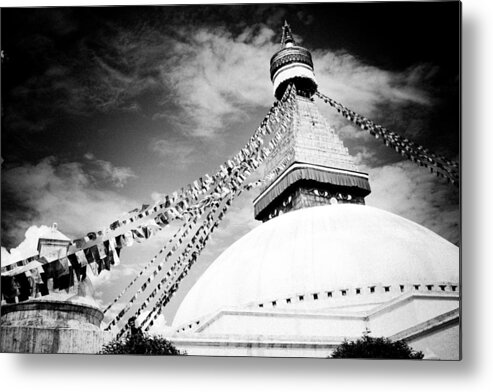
(236, 181)
(168, 277)
(416, 153)
(243, 170)
(170, 242)
(101, 250)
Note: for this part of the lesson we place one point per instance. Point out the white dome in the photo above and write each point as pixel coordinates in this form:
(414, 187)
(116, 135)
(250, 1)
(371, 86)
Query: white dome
(319, 249)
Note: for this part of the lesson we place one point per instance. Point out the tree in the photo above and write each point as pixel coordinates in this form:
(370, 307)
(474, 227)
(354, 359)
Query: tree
(377, 348)
(136, 342)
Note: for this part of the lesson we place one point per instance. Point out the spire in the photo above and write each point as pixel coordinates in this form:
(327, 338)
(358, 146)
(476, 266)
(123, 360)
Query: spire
(318, 167)
(287, 35)
(292, 64)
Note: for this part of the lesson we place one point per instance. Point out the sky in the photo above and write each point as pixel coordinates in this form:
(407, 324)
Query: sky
(105, 108)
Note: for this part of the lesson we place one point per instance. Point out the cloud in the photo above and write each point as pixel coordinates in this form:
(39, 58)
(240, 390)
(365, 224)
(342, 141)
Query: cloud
(180, 153)
(27, 248)
(201, 79)
(398, 99)
(62, 192)
(215, 77)
(123, 271)
(108, 284)
(106, 171)
(414, 193)
(349, 79)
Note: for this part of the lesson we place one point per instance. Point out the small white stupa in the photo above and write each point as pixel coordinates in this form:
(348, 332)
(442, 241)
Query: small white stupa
(63, 321)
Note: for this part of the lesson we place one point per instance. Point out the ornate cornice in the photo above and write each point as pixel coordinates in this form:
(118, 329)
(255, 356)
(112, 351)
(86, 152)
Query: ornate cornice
(293, 54)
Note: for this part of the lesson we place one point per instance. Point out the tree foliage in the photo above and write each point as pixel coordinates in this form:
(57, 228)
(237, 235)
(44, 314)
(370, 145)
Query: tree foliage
(377, 348)
(136, 342)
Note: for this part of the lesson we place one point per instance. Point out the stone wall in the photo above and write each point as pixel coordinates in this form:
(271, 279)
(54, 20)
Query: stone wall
(51, 327)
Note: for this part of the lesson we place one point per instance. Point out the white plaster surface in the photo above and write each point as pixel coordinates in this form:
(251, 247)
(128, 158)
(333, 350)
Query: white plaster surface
(319, 249)
(299, 333)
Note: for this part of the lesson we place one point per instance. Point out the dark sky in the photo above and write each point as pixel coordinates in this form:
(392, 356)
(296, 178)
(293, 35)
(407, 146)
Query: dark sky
(389, 36)
(104, 108)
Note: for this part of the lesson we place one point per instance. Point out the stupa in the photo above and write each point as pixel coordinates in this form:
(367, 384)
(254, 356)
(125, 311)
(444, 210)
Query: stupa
(53, 316)
(323, 267)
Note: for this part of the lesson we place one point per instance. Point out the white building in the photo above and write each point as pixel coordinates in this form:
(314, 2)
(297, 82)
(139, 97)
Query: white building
(323, 267)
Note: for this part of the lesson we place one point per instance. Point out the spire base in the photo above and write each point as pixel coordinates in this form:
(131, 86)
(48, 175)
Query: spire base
(305, 185)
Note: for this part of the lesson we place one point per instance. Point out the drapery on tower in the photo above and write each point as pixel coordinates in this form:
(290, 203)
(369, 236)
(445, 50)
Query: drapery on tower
(320, 170)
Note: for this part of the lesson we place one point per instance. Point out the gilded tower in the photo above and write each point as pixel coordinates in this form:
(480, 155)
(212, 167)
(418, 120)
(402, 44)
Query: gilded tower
(319, 170)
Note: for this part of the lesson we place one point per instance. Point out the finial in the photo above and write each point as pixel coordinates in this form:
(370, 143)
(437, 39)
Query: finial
(292, 64)
(287, 36)
(54, 227)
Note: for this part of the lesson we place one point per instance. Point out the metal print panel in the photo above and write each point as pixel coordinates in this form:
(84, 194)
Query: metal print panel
(232, 180)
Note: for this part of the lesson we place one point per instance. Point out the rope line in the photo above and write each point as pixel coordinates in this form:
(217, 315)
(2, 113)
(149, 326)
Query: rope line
(236, 179)
(237, 175)
(150, 263)
(438, 164)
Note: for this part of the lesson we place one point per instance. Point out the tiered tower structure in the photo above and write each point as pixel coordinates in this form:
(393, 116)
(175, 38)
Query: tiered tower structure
(319, 168)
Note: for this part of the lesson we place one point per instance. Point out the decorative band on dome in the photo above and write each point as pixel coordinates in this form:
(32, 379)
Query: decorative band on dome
(398, 292)
(293, 54)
